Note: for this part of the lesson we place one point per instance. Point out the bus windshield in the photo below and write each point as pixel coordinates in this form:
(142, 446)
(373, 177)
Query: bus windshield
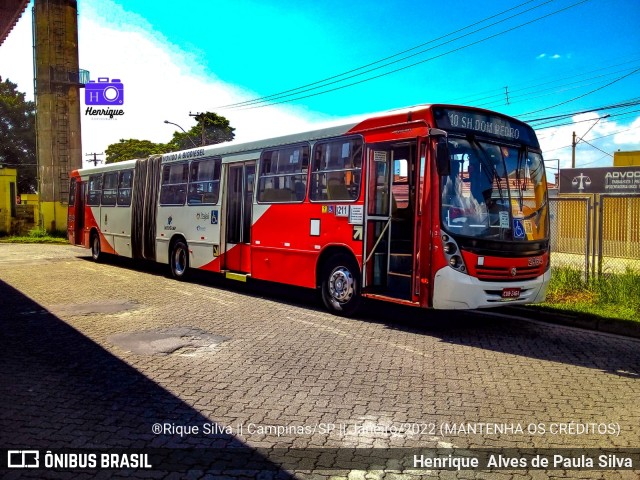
(495, 192)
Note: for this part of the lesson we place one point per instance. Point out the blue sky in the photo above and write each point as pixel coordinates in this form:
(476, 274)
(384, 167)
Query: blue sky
(554, 57)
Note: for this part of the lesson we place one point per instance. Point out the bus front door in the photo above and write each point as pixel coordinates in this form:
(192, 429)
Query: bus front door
(240, 181)
(389, 232)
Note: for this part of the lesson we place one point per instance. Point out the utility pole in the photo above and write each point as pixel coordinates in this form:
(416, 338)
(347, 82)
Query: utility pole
(95, 159)
(202, 144)
(573, 151)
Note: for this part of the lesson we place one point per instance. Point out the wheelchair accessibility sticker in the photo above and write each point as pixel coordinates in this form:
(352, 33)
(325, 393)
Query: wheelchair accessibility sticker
(518, 229)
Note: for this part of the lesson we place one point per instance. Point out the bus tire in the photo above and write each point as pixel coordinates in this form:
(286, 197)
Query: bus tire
(340, 285)
(96, 251)
(179, 260)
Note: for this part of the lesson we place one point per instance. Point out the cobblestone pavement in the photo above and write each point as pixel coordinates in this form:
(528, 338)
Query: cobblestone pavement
(95, 355)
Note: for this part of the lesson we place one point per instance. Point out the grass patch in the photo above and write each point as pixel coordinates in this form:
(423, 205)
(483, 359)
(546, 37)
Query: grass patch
(609, 295)
(38, 235)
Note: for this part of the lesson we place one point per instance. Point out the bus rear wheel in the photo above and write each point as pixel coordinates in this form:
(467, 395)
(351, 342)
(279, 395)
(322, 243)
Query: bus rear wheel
(340, 285)
(96, 252)
(179, 260)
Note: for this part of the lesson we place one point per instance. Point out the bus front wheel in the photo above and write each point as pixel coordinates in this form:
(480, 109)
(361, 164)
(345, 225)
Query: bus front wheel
(179, 260)
(340, 285)
(96, 252)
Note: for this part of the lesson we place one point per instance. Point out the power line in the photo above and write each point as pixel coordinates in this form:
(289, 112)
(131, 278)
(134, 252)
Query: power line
(583, 95)
(596, 138)
(495, 94)
(545, 92)
(621, 115)
(628, 103)
(95, 158)
(590, 144)
(328, 80)
(416, 63)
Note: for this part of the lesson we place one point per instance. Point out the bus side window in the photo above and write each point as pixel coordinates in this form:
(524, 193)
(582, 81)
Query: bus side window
(125, 181)
(204, 181)
(337, 168)
(174, 184)
(109, 188)
(95, 190)
(283, 175)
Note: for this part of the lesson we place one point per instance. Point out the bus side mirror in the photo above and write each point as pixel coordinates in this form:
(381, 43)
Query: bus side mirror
(443, 157)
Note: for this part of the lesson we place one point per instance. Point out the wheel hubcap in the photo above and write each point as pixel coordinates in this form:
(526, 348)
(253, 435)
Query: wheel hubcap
(341, 285)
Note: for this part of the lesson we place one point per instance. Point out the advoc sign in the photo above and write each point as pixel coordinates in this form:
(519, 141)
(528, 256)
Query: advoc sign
(600, 180)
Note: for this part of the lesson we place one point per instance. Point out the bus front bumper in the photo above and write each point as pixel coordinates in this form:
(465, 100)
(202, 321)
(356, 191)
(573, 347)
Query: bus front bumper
(456, 290)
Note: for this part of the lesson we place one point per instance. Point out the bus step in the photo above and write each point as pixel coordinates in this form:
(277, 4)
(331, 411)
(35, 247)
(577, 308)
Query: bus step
(401, 262)
(240, 277)
(399, 285)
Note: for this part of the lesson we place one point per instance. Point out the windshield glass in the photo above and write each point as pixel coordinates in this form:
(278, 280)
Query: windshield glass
(496, 192)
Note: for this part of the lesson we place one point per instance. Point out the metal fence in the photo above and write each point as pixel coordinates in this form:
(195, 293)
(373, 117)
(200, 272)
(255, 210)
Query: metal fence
(618, 239)
(598, 234)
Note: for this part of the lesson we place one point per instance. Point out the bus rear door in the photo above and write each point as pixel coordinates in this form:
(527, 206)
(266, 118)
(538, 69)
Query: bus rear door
(239, 198)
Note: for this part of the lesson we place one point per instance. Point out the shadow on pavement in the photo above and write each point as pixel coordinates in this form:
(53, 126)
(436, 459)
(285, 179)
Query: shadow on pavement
(61, 390)
(496, 331)
(485, 330)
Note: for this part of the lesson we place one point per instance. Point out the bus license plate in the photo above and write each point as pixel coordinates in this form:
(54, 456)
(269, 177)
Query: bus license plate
(511, 293)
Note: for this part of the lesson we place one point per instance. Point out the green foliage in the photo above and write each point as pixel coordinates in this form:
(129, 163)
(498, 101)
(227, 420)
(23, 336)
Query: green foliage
(622, 289)
(565, 281)
(216, 130)
(134, 148)
(18, 135)
(39, 235)
(609, 295)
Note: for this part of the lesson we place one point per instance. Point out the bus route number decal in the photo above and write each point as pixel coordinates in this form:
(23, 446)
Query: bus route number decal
(342, 210)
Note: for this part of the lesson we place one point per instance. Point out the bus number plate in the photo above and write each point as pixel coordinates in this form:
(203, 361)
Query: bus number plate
(511, 293)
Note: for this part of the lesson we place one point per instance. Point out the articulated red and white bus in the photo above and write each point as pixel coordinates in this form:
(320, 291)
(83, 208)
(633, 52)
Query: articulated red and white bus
(438, 206)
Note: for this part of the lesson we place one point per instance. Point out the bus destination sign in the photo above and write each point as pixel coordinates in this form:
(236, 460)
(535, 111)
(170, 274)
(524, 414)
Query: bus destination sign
(470, 121)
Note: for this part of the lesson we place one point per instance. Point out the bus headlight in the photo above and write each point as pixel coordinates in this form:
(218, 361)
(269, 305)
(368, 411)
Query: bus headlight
(452, 253)
(450, 248)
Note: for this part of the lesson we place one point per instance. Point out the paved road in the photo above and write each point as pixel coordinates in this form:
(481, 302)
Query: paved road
(94, 355)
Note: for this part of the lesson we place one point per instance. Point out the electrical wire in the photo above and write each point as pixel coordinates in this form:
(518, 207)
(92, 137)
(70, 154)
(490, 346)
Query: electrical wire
(583, 95)
(420, 62)
(300, 97)
(328, 80)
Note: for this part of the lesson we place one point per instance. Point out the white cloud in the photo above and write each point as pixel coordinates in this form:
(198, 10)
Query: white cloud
(161, 82)
(555, 56)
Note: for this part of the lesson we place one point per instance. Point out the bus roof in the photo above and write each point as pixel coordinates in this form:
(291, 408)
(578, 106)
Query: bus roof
(357, 124)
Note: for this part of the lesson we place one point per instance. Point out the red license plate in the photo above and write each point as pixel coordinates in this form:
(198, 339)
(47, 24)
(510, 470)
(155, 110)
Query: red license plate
(511, 293)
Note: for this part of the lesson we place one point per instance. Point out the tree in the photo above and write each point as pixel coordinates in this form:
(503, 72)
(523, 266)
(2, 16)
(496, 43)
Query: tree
(216, 130)
(18, 135)
(134, 148)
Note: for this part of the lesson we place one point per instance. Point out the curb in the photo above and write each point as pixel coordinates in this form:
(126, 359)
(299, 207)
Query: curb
(586, 322)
